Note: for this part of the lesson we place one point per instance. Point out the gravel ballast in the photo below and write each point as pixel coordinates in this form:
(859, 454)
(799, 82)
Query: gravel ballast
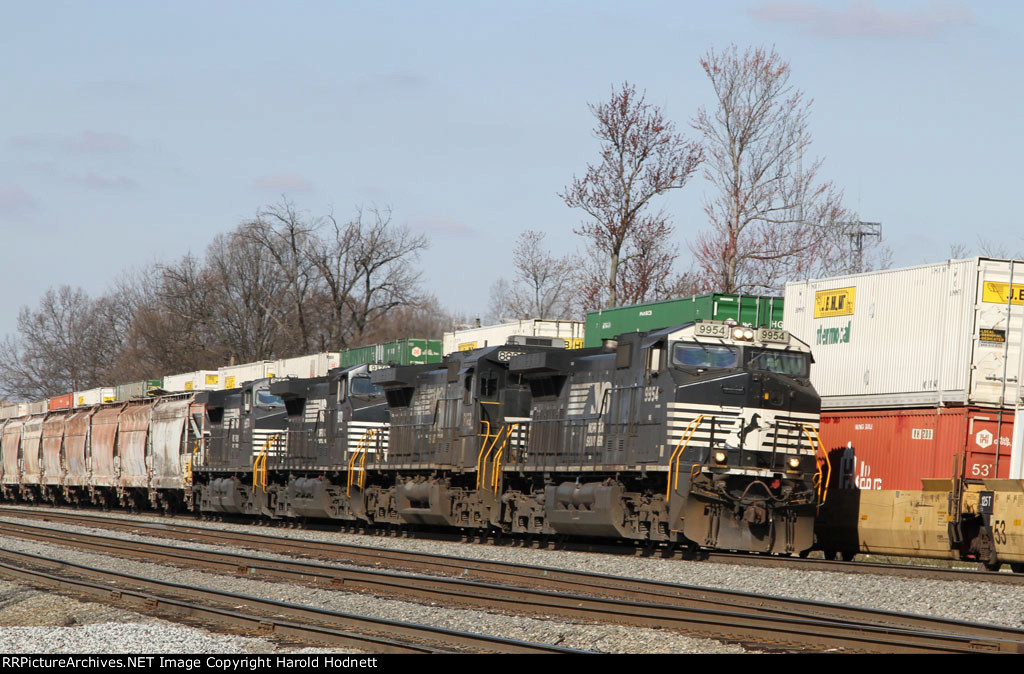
(960, 600)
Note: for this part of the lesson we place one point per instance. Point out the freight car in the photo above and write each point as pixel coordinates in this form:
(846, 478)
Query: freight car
(919, 370)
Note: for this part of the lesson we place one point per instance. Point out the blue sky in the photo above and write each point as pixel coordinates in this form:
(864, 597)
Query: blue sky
(133, 132)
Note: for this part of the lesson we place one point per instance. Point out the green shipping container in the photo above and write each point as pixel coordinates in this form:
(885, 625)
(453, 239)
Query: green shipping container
(401, 352)
(744, 309)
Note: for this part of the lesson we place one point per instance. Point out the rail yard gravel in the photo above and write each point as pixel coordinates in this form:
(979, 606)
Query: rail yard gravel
(950, 599)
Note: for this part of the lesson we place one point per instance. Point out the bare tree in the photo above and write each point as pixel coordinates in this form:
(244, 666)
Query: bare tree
(641, 157)
(366, 266)
(61, 347)
(770, 218)
(543, 284)
(286, 237)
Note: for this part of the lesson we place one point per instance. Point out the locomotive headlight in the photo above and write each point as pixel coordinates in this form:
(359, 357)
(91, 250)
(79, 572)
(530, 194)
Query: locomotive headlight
(720, 457)
(748, 334)
(794, 463)
(737, 333)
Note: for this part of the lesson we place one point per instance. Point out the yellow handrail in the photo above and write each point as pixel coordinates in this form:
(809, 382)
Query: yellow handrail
(497, 459)
(188, 464)
(260, 464)
(485, 452)
(673, 477)
(822, 484)
(360, 450)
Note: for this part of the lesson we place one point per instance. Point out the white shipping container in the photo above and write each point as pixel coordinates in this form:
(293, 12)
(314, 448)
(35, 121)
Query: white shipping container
(944, 333)
(201, 380)
(496, 335)
(233, 376)
(91, 397)
(305, 367)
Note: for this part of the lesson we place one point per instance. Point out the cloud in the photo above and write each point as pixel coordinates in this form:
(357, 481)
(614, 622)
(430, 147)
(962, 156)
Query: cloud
(90, 142)
(283, 183)
(393, 82)
(441, 225)
(14, 201)
(864, 19)
(97, 182)
(84, 143)
(107, 89)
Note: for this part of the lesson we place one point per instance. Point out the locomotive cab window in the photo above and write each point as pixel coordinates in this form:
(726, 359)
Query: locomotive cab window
(791, 363)
(362, 386)
(264, 398)
(701, 355)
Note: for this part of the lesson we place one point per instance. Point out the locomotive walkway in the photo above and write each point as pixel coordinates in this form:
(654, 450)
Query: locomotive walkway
(734, 616)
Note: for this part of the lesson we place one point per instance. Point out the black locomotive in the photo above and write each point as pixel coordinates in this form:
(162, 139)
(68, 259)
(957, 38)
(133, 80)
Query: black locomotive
(701, 435)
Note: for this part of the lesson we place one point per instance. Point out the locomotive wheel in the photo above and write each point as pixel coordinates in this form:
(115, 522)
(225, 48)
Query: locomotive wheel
(830, 555)
(1017, 567)
(990, 566)
(848, 555)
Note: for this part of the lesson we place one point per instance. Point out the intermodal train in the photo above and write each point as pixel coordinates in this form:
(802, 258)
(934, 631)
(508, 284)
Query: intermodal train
(702, 435)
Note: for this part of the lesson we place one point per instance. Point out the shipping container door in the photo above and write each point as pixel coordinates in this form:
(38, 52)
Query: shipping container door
(998, 333)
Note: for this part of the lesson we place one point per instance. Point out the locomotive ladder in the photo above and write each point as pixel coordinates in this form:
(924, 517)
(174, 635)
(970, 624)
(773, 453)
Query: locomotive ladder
(359, 454)
(485, 455)
(821, 484)
(259, 465)
(677, 454)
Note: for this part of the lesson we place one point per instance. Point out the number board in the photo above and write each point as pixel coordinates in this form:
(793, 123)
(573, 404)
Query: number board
(711, 330)
(772, 335)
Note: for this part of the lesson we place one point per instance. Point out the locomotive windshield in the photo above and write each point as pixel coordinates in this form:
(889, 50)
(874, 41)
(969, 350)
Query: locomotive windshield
(267, 399)
(700, 355)
(364, 387)
(790, 363)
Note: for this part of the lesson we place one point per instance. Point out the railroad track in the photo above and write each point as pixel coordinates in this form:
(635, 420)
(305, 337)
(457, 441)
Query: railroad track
(239, 612)
(182, 531)
(732, 616)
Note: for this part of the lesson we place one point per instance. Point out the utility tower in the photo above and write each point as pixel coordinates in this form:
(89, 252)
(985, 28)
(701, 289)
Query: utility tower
(856, 231)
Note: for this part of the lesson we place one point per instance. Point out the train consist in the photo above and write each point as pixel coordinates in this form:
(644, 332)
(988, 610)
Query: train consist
(702, 435)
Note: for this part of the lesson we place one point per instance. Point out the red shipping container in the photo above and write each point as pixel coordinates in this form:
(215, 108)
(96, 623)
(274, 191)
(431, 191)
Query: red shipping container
(63, 402)
(896, 448)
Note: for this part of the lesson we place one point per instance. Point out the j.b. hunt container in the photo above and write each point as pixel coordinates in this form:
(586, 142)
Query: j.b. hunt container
(747, 310)
(939, 334)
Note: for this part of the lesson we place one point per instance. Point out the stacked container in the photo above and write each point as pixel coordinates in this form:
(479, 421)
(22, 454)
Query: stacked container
(201, 380)
(916, 366)
(306, 367)
(411, 351)
(496, 335)
(233, 376)
(747, 310)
